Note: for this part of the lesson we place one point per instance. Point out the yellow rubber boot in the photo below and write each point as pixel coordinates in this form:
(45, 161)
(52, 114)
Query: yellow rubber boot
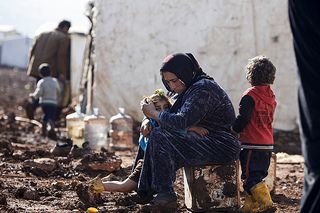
(261, 194)
(96, 185)
(250, 205)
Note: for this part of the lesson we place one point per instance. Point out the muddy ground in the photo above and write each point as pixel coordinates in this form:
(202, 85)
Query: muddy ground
(50, 184)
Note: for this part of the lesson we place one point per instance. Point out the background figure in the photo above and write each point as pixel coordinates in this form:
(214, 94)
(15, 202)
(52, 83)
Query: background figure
(53, 48)
(47, 92)
(254, 123)
(305, 25)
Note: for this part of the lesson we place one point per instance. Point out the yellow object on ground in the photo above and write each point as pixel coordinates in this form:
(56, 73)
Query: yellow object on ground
(92, 210)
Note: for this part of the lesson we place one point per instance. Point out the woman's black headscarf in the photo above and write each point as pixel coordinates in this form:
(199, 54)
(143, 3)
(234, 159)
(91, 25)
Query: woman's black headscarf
(186, 68)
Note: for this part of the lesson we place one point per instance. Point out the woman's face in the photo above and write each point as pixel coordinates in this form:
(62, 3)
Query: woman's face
(174, 82)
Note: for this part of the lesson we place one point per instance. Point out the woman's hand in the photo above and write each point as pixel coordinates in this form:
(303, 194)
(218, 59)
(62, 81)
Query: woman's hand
(149, 110)
(199, 130)
(145, 128)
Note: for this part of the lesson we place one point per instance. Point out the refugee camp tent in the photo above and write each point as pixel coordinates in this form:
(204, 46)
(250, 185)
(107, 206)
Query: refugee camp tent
(78, 43)
(14, 51)
(132, 37)
(7, 31)
(14, 47)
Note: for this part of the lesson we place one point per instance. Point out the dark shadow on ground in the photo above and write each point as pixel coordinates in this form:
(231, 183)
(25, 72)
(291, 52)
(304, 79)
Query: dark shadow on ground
(282, 199)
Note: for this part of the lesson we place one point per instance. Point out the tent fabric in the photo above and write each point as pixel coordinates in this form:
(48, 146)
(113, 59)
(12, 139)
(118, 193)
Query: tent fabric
(222, 35)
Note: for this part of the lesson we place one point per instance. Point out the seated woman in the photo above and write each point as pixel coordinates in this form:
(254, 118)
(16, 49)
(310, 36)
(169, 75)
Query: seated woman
(161, 102)
(200, 102)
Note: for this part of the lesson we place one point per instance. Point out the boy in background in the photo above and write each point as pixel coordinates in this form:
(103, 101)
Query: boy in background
(47, 91)
(254, 124)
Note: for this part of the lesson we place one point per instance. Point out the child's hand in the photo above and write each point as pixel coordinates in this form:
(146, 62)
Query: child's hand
(145, 128)
(199, 130)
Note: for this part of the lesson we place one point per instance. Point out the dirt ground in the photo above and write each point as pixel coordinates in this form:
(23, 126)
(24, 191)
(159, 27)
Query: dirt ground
(50, 184)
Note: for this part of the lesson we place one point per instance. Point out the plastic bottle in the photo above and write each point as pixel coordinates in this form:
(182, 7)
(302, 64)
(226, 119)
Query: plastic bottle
(121, 130)
(95, 130)
(75, 126)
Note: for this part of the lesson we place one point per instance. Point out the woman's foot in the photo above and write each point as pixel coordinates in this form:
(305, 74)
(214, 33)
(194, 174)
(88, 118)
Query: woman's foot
(165, 199)
(135, 197)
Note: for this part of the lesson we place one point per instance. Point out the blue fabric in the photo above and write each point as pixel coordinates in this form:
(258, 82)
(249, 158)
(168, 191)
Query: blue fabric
(143, 141)
(170, 147)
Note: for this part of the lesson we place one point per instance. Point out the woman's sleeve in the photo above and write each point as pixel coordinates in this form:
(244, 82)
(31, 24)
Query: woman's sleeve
(193, 110)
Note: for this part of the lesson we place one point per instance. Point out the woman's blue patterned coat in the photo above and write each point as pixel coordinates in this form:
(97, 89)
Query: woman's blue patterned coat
(204, 104)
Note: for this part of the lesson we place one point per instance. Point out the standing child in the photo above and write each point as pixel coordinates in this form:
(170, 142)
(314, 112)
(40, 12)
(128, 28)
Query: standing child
(47, 92)
(254, 123)
(161, 102)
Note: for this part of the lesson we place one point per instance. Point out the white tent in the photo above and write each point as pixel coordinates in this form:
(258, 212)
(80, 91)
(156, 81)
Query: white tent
(78, 43)
(14, 51)
(132, 38)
